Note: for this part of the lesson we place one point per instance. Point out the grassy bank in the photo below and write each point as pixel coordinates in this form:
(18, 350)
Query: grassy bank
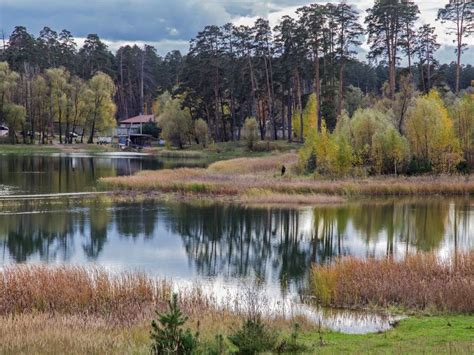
(27, 149)
(224, 151)
(54, 334)
(88, 310)
(419, 283)
(76, 310)
(259, 179)
(416, 335)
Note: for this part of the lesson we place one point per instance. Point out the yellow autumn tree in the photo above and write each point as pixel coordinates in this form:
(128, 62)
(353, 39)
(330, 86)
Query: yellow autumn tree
(390, 151)
(462, 113)
(430, 131)
(326, 153)
(360, 131)
(310, 119)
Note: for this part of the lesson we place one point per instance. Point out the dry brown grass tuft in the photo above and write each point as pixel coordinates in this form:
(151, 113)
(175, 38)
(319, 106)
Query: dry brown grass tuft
(262, 196)
(270, 164)
(421, 282)
(77, 310)
(79, 291)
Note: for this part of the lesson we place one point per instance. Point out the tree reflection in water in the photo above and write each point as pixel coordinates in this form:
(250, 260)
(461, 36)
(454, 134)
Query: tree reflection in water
(277, 245)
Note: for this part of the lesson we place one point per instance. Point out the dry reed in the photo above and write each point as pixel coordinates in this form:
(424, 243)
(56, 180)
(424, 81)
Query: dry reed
(422, 282)
(244, 176)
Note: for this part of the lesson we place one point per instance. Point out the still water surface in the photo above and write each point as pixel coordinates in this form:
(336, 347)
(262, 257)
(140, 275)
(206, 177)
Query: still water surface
(64, 173)
(220, 246)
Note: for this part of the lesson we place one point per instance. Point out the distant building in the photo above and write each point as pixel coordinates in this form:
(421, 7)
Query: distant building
(130, 131)
(3, 131)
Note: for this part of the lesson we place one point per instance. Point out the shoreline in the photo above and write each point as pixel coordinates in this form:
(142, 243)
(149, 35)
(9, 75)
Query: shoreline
(81, 310)
(251, 180)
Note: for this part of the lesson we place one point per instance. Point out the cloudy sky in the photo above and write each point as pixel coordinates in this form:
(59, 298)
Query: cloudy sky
(170, 24)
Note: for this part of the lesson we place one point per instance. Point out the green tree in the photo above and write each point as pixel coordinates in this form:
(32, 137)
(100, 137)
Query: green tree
(460, 13)
(386, 22)
(310, 116)
(390, 151)
(40, 106)
(168, 336)
(100, 105)
(463, 115)
(58, 80)
(8, 81)
(175, 123)
(15, 116)
(361, 129)
(251, 132)
(201, 132)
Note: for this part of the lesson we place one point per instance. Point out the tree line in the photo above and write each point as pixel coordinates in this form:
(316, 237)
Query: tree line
(234, 72)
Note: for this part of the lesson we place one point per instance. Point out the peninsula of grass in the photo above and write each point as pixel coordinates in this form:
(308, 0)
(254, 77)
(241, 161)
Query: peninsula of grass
(259, 180)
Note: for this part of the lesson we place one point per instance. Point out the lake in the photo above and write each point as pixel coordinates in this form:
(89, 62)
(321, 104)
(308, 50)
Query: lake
(220, 246)
(65, 173)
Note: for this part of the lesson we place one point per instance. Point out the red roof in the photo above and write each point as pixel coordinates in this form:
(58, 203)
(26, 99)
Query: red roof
(138, 119)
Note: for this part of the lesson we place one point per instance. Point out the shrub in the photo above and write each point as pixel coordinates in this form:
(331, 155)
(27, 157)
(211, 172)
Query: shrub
(390, 151)
(176, 123)
(151, 128)
(419, 166)
(326, 153)
(169, 337)
(201, 132)
(363, 126)
(251, 132)
(430, 131)
(291, 345)
(253, 337)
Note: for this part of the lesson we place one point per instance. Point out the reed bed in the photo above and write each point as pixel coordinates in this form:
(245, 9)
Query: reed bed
(76, 310)
(80, 291)
(421, 282)
(237, 179)
(269, 164)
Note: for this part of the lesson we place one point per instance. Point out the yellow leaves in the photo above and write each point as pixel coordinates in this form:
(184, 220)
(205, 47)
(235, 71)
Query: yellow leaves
(462, 113)
(326, 153)
(429, 130)
(310, 118)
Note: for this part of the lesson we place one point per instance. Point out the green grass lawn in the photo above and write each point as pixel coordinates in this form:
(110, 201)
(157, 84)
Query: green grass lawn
(416, 335)
(224, 151)
(27, 149)
(22, 149)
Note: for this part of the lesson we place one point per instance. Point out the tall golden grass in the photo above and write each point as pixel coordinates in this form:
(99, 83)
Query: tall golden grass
(421, 282)
(77, 310)
(80, 291)
(235, 178)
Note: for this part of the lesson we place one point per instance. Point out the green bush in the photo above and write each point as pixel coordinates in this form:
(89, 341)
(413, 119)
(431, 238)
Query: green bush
(254, 337)
(201, 132)
(291, 345)
(216, 347)
(169, 337)
(251, 132)
(419, 165)
(152, 129)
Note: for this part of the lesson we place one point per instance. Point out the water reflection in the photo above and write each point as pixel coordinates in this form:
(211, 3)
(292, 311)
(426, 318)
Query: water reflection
(186, 241)
(28, 174)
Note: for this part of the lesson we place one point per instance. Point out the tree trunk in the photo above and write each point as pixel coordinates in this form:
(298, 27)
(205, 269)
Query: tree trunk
(341, 89)
(317, 86)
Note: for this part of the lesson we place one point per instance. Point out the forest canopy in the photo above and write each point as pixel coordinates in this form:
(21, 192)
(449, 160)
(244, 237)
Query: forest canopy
(297, 77)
